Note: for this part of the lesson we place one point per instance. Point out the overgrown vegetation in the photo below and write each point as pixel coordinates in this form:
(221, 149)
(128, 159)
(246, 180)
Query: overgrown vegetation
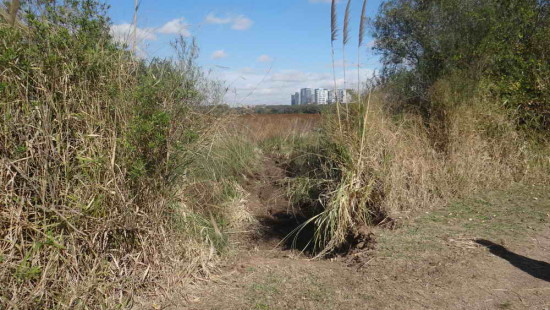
(98, 152)
(497, 45)
(121, 172)
(462, 106)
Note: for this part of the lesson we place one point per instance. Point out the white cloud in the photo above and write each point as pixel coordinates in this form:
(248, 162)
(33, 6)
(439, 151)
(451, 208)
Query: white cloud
(213, 19)
(242, 23)
(253, 87)
(219, 54)
(176, 26)
(123, 33)
(265, 58)
(239, 22)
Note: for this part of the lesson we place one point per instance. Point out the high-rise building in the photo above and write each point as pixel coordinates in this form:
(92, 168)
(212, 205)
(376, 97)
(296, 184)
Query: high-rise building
(306, 96)
(321, 96)
(339, 96)
(295, 99)
(330, 97)
(344, 95)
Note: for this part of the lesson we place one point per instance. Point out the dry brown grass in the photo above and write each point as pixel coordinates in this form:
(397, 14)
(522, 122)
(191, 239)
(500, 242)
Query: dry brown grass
(383, 167)
(260, 127)
(90, 168)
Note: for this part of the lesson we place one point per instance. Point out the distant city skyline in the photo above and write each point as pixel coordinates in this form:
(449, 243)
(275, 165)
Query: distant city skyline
(319, 96)
(260, 49)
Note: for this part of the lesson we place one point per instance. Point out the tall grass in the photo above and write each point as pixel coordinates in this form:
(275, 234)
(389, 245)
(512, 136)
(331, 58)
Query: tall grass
(362, 29)
(345, 40)
(333, 38)
(96, 148)
(389, 166)
(381, 162)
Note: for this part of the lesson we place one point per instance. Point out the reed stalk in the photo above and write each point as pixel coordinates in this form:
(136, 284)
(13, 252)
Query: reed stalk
(364, 132)
(333, 37)
(345, 40)
(362, 25)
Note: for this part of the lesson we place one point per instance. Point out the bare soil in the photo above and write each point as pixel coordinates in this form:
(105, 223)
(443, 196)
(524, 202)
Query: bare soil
(491, 252)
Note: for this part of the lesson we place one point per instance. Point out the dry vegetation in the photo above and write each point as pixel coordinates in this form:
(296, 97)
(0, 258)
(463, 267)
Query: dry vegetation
(431, 129)
(260, 127)
(114, 183)
(372, 165)
(97, 149)
(372, 172)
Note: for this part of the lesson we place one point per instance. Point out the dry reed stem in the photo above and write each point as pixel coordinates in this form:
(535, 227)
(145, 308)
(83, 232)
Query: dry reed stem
(345, 39)
(333, 37)
(14, 8)
(362, 27)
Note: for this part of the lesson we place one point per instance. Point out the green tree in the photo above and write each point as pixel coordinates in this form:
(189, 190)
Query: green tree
(505, 42)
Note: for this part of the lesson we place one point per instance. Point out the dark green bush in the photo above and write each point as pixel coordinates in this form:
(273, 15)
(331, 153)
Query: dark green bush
(501, 44)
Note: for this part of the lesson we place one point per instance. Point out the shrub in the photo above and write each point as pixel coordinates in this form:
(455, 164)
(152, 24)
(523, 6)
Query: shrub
(94, 146)
(382, 165)
(501, 43)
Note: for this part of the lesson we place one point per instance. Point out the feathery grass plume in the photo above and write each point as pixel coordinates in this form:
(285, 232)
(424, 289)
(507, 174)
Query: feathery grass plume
(346, 24)
(345, 39)
(334, 37)
(362, 25)
(333, 23)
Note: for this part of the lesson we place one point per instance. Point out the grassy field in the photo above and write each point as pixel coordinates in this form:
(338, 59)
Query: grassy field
(261, 127)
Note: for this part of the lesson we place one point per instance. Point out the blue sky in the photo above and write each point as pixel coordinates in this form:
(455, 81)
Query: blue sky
(264, 50)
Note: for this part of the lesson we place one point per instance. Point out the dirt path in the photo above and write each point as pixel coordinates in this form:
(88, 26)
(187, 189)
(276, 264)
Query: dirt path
(269, 204)
(489, 253)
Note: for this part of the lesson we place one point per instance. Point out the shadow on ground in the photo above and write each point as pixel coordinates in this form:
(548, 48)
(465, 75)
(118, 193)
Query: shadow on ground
(535, 268)
(289, 228)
